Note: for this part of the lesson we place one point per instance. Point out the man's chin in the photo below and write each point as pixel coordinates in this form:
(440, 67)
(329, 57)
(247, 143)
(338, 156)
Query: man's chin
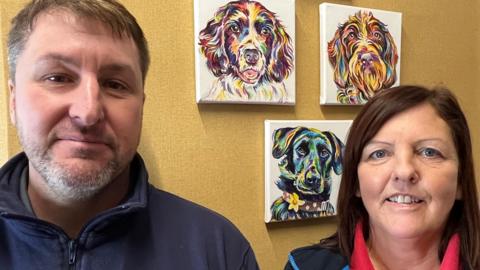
(77, 179)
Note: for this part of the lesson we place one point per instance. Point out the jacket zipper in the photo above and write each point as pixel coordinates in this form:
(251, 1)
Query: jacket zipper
(72, 252)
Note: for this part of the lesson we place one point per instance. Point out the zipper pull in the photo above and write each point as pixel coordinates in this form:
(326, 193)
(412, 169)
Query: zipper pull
(72, 252)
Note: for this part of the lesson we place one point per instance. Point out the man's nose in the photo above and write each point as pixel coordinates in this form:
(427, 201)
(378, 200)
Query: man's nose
(405, 168)
(87, 107)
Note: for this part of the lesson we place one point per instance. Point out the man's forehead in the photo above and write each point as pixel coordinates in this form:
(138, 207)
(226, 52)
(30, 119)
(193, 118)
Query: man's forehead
(80, 22)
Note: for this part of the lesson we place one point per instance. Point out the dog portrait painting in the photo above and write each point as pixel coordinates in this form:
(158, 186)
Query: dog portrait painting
(309, 166)
(245, 52)
(362, 50)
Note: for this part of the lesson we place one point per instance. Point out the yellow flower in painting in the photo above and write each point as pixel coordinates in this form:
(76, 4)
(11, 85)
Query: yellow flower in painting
(294, 202)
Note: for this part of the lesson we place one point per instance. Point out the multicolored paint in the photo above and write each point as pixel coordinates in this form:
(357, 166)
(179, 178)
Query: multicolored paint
(249, 51)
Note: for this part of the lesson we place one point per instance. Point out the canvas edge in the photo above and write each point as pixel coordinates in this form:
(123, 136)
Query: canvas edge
(267, 173)
(196, 16)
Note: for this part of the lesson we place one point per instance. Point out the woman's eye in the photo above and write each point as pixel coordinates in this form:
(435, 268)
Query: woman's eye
(378, 154)
(430, 152)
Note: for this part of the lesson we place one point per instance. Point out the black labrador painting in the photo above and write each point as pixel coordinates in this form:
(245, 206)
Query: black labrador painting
(308, 159)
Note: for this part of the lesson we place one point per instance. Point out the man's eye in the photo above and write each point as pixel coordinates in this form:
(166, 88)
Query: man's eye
(114, 85)
(58, 78)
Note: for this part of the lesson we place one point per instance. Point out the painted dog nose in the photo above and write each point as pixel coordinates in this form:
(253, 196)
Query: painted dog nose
(311, 181)
(367, 60)
(251, 55)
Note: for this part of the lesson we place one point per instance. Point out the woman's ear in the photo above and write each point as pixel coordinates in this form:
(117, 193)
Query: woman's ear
(459, 195)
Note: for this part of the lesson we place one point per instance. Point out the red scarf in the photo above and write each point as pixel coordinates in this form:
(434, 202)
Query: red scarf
(361, 261)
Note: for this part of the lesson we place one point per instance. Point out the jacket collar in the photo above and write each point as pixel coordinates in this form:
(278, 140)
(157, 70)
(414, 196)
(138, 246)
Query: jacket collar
(361, 261)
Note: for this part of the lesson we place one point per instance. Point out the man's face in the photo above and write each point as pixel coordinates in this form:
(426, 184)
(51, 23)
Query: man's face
(77, 103)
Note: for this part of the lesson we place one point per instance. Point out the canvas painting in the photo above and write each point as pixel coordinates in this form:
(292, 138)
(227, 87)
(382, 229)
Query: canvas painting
(303, 168)
(245, 51)
(359, 53)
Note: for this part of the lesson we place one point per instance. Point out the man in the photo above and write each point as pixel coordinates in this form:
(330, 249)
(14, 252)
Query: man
(78, 197)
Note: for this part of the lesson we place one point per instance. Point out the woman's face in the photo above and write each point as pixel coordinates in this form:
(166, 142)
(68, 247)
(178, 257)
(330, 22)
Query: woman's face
(408, 175)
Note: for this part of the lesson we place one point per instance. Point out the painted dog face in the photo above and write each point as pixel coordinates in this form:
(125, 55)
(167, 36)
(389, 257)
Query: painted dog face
(246, 40)
(309, 155)
(364, 56)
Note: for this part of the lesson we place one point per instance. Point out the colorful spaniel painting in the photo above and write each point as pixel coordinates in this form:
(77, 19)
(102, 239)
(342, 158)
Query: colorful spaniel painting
(247, 52)
(308, 158)
(362, 50)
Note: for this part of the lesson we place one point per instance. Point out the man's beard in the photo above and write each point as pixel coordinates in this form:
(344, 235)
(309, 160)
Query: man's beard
(69, 182)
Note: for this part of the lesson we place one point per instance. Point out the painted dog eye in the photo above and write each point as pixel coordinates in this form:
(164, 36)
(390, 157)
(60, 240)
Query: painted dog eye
(234, 28)
(265, 32)
(324, 153)
(377, 35)
(302, 150)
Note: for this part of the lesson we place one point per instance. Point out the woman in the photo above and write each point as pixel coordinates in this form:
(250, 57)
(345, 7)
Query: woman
(408, 198)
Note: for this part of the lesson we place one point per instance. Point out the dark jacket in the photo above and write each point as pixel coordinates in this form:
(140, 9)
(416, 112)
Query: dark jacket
(151, 229)
(316, 258)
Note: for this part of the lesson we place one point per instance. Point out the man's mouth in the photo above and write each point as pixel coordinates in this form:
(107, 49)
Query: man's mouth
(404, 199)
(86, 140)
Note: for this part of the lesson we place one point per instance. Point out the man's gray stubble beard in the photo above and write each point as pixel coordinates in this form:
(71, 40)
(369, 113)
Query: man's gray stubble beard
(67, 184)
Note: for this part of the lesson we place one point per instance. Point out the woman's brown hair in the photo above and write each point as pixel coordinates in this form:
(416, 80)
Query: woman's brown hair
(464, 217)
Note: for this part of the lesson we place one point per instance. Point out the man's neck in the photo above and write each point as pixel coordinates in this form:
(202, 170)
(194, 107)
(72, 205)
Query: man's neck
(74, 215)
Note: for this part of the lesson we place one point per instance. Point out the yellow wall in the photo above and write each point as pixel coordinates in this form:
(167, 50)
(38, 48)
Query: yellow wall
(213, 154)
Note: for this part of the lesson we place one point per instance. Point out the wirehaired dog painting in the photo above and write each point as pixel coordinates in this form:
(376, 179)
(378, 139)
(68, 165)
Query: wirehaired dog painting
(364, 57)
(247, 48)
(307, 159)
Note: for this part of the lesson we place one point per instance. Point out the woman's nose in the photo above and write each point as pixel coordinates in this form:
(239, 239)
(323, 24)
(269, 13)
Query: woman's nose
(405, 168)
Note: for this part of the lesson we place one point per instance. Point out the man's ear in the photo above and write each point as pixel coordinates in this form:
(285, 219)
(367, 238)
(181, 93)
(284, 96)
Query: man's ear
(12, 106)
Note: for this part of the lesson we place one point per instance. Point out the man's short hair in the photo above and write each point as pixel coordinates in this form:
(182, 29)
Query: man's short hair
(110, 12)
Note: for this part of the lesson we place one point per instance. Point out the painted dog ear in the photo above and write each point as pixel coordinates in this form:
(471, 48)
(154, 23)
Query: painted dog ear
(338, 60)
(337, 151)
(281, 58)
(211, 43)
(282, 138)
(390, 57)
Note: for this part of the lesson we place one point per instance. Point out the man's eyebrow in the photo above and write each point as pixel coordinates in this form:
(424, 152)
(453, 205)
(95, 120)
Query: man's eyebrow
(59, 58)
(112, 67)
(117, 67)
